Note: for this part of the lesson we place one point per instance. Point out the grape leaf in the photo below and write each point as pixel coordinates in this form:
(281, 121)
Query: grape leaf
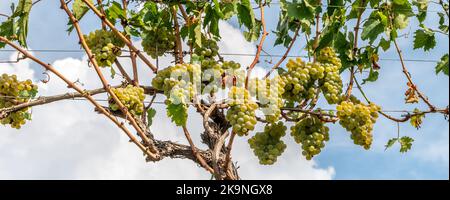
(300, 10)
(115, 12)
(373, 76)
(246, 17)
(405, 144)
(178, 113)
(23, 12)
(253, 34)
(7, 29)
(443, 65)
(390, 143)
(79, 9)
(416, 120)
(198, 34)
(400, 2)
(384, 44)
(113, 73)
(151, 113)
(424, 38)
(372, 28)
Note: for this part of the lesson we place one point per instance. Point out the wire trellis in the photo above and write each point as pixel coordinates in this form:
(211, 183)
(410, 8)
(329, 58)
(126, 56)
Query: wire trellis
(222, 54)
(163, 103)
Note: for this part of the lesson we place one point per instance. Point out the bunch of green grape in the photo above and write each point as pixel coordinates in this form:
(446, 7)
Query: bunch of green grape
(14, 92)
(105, 46)
(300, 80)
(358, 119)
(208, 50)
(231, 65)
(241, 113)
(269, 93)
(179, 82)
(158, 40)
(267, 145)
(131, 97)
(213, 75)
(331, 84)
(327, 55)
(312, 134)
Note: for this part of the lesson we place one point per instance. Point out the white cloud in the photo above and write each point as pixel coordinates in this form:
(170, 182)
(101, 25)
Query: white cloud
(67, 140)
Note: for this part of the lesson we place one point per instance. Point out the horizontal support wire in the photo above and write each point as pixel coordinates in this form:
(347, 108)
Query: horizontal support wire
(163, 103)
(223, 54)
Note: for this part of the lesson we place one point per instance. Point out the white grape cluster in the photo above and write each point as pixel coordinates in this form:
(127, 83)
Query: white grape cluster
(300, 80)
(208, 50)
(331, 84)
(220, 75)
(158, 40)
(267, 145)
(131, 97)
(358, 119)
(269, 93)
(105, 46)
(179, 82)
(14, 92)
(312, 134)
(241, 113)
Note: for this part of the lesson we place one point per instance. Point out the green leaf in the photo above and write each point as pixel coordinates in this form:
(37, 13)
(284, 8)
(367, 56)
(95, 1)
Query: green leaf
(372, 29)
(390, 143)
(300, 10)
(325, 40)
(217, 9)
(253, 34)
(178, 113)
(79, 8)
(405, 143)
(115, 12)
(443, 65)
(23, 12)
(425, 39)
(7, 29)
(400, 2)
(384, 44)
(113, 73)
(151, 113)
(281, 71)
(198, 34)
(246, 17)
(229, 10)
(373, 76)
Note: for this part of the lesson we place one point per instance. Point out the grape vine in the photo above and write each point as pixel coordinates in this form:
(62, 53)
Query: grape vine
(340, 37)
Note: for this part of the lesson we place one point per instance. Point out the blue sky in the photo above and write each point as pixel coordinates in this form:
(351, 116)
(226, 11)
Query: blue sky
(428, 159)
